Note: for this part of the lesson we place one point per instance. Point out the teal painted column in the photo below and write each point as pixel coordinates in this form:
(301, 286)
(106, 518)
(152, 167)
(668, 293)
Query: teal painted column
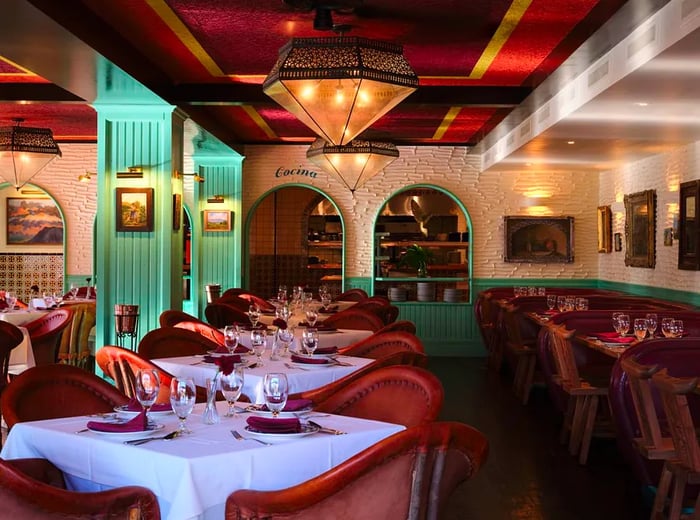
(217, 255)
(136, 128)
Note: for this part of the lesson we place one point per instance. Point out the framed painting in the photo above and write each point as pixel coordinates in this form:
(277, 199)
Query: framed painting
(134, 209)
(618, 241)
(689, 228)
(177, 211)
(33, 222)
(640, 229)
(217, 220)
(604, 229)
(539, 239)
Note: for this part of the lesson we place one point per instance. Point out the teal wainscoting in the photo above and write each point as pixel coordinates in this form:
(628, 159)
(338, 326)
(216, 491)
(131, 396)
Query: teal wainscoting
(692, 298)
(358, 283)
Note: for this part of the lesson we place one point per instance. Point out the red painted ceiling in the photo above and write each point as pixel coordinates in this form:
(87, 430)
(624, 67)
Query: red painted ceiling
(476, 60)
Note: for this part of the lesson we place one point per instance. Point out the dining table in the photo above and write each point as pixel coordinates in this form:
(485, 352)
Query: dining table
(327, 338)
(193, 474)
(22, 356)
(300, 376)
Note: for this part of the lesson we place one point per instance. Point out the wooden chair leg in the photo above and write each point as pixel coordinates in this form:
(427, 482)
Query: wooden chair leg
(679, 484)
(657, 509)
(568, 420)
(577, 424)
(591, 413)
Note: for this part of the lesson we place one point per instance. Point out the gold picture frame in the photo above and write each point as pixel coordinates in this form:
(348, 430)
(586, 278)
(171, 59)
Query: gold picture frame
(604, 229)
(217, 220)
(134, 209)
(640, 229)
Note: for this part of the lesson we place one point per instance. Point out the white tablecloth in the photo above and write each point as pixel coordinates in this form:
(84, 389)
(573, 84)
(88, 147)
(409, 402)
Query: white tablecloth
(22, 356)
(191, 475)
(299, 379)
(20, 317)
(338, 338)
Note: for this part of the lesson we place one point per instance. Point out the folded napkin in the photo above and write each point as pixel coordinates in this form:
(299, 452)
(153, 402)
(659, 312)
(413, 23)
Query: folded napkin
(221, 349)
(272, 425)
(212, 359)
(613, 337)
(293, 405)
(241, 349)
(326, 351)
(134, 406)
(309, 360)
(137, 424)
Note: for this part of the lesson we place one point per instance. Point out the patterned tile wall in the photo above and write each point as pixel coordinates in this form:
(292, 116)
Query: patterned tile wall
(18, 272)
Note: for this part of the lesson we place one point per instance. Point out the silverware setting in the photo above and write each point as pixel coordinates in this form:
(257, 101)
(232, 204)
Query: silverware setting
(137, 442)
(323, 429)
(240, 437)
(292, 367)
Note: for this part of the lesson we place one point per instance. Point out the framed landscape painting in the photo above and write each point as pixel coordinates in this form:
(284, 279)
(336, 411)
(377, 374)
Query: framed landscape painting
(539, 239)
(134, 209)
(33, 221)
(216, 220)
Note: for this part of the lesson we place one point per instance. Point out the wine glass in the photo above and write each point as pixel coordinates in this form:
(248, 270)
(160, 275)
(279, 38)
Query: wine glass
(624, 321)
(275, 389)
(285, 338)
(11, 300)
(561, 303)
(640, 328)
(666, 327)
(231, 337)
(73, 291)
(147, 386)
(183, 394)
(282, 293)
(48, 299)
(231, 387)
(254, 315)
(551, 301)
(312, 317)
(652, 322)
(57, 298)
(257, 343)
(677, 328)
(310, 340)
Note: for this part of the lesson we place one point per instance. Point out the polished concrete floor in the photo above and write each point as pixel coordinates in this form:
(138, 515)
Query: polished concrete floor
(529, 475)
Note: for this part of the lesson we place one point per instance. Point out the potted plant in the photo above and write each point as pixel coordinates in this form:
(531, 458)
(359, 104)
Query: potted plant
(418, 258)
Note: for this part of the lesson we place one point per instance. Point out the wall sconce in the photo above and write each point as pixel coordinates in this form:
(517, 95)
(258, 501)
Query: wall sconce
(133, 172)
(195, 176)
(86, 177)
(216, 199)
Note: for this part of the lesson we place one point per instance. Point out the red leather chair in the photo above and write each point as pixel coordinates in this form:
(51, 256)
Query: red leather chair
(206, 330)
(379, 345)
(398, 325)
(242, 299)
(24, 497)
(357, 319)
(51, 391)
(45, 333)
(221, 314)
(408, 475)
(10, 337)
(174, 342)
(352, 295)
(172, 317)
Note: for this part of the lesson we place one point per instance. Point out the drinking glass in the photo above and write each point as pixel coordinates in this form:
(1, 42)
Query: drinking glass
(284, 338)
(257, 343)
(182, 397)
(231, 387)
(282, 293)
(666, 327)
(551, 301)
(581, 304)
(275, 389)
(11, 300)
(73, 291)
(541, 291)
(616, 322)
(677, 328)
(310, 340)
(652, 322)
(48, 299)
(147, 386)
(254, 315)
(312, 317)
(624, 321)
(231, 337)
(57, 298)
(640, 328)
(561, 303)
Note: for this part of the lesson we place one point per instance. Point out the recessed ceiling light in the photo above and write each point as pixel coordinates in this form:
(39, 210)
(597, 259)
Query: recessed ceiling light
(571, 142)
(642, 104)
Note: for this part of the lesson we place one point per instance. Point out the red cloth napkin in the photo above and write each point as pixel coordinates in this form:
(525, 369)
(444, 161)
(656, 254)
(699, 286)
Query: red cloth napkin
(613, 337)
(309, 360)
(221, 349)
(293, 405)
(212, 359)
(137, 424)
(241, 349)
(326, 351)
(271, 425)
(134, 406)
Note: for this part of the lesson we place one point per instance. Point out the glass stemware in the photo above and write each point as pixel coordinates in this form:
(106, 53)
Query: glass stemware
(147, 387)
(231, 337)
(640, 328)
(310, 340)
(677, 328)
(11, 300)
(231, 387)
(73, 291)
(666, 327)
(275, 389)
(183, 394)
(652, 322)
(624, 321)
(311, 317)
(257, 343)
(254, 315)
(551, 301)
(561, 303)
(284, 339)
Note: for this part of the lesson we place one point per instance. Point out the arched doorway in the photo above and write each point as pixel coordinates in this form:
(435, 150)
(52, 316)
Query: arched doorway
(295, 237)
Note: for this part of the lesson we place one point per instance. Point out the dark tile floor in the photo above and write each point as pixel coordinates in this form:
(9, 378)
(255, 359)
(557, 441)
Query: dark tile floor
(529, 475)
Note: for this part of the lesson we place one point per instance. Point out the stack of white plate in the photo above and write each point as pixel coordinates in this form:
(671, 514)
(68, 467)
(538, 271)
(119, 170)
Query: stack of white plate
(398, 294)
(425, 292)
(452, 295)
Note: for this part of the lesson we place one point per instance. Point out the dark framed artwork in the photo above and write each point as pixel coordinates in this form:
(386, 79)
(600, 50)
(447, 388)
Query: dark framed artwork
(539, 239)
(618, 241)
(217, 220)
(177, 211)
(134, 209)
(604, 229)
(33, 222)
(668, 236)
(640, 229)
(688, 229)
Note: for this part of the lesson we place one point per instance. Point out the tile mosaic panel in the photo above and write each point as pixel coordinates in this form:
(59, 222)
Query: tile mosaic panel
(18, 272)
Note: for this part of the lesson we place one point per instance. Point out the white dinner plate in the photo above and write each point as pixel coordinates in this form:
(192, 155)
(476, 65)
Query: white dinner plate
(152, 428)
(122, 410)
(306, 429)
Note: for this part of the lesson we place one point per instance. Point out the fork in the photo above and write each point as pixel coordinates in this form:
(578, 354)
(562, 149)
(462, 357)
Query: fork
(293, 367)
(240, 437)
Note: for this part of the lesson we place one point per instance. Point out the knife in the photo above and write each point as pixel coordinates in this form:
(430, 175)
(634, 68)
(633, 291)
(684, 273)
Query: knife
(323, 429)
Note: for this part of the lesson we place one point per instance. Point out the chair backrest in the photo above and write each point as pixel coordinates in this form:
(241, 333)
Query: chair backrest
(25, 497)
(563, 354)
(379, 395)
(206, 330)
(174, 342)
(45, 333)
(243, 299)
(423, 465)
(171, 317)
(383, 344)
(352, 295)
(10, 337)
(380, 306)
(357, 319)
(398, 325)
(221, 314)
(51, 391)
(74, 346)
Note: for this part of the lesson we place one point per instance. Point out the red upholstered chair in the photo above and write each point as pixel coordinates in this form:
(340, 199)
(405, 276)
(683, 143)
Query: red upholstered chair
(24, 497)
(398, 325)
(357, 319)
(242, 299)
(206, 330)
(221, 314)
(10, 337)
(51, 391)
(379, 345)
(45, 333)
(352, 295)
(408, 475)
(172, 317)
(396, 394)
(174, 342)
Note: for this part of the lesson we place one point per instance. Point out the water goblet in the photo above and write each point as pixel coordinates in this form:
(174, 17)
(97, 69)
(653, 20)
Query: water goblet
(48, 299)
(640, 328)
(11, 300)
(551, 301)
(541, 291)
(666, 327)
(183, 394)
(275, 390)
(652, 322)
(257, 343)
(624, 322)
(310, 340)
(282, 293)
(561, 303)
(231, 337)
(284, 339)
(57, 298)
(312, 317)
(677, 328)
(254, 315)
(73, 291)
(231, 387)
(147, 386)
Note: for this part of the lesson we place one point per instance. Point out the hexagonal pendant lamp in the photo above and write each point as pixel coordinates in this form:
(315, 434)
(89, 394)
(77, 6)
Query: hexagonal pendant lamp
(25, 151)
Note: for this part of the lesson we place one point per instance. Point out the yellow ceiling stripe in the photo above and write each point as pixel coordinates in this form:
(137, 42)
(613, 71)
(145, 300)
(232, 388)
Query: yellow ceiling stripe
(19, 67)
(185, 36)
(446, 122)
(505, 29)
(259, 121)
